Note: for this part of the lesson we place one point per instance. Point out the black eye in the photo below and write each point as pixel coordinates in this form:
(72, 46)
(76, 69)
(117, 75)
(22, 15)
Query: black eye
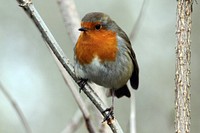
(98, 26)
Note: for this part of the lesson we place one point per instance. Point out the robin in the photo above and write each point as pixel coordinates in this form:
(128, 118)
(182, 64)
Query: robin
(103, 55)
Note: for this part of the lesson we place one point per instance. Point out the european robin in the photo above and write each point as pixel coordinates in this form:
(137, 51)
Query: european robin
(103, 55)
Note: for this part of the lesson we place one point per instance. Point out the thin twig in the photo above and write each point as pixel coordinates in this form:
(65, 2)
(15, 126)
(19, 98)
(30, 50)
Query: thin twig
(71, 18)
(17, 108)
(48, 37)
(76, 120)
(132, 36)
(82, 106)
(138, 22)
(103, 128)
(74, 123)
(133, 114)
(77, 97)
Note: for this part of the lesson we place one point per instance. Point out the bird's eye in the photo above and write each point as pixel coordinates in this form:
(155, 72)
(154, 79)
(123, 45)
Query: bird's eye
(98, 26)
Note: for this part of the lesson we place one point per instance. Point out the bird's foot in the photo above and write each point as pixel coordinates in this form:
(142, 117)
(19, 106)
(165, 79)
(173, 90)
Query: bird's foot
(82, 82)
(110, 115)
(25, 3)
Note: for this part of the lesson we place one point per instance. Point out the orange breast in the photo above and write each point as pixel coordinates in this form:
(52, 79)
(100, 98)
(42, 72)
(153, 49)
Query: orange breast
(96, 43)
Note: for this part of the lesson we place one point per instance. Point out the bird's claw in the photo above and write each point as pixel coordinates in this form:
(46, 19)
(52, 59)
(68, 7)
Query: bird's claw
(110, 115)
(25, 3)
(82, 82)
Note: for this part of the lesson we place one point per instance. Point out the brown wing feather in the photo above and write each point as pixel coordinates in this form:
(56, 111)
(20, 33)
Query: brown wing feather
(134, 80)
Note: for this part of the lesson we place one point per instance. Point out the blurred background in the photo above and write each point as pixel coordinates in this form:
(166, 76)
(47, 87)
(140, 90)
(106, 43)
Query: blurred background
(30, 75)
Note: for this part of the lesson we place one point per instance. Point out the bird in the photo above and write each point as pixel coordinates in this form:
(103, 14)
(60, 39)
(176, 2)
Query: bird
(103, 54)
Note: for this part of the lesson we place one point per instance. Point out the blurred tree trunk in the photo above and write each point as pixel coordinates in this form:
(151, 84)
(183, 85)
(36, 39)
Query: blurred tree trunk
(182, 75)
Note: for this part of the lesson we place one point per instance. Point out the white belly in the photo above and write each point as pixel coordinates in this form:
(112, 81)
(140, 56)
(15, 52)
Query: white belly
(108, 74)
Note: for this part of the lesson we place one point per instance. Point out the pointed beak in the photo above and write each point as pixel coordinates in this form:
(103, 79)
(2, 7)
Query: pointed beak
(82, 29)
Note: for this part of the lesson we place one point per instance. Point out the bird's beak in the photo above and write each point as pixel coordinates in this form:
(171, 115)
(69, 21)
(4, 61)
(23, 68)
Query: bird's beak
(82, 29)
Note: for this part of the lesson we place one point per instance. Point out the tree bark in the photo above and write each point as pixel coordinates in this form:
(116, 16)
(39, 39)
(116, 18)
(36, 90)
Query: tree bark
(183, 60)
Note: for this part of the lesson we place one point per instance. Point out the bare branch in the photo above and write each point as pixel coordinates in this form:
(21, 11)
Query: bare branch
(76, 120)
(48, 37)
(71, 18)
(183, 59)
(77, 97)
(138, 21)
(132, 36)
(82, 106)
(17, 109)
(74, 123)
(133, 114)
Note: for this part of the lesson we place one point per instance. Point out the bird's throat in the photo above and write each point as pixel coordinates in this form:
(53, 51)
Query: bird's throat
(101, 44)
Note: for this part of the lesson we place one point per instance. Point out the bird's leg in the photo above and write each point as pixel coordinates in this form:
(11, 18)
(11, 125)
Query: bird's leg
(81, 82)
(111, 109)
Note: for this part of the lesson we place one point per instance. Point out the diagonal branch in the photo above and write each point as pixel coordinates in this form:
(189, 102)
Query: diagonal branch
(52, 43)
(77, 97)
(76, 120)
(74, 123)
(17, 108)
(81, 104)
(139, 21)
(71, 18)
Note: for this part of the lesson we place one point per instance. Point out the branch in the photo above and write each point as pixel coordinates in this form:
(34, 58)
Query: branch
(77, 97)
(81, 105)
(48, 37)
(132, 36)
(74, 123)
(17, 109)
(71, 18)
(183, 59)
(138, 22)
(133, 114)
